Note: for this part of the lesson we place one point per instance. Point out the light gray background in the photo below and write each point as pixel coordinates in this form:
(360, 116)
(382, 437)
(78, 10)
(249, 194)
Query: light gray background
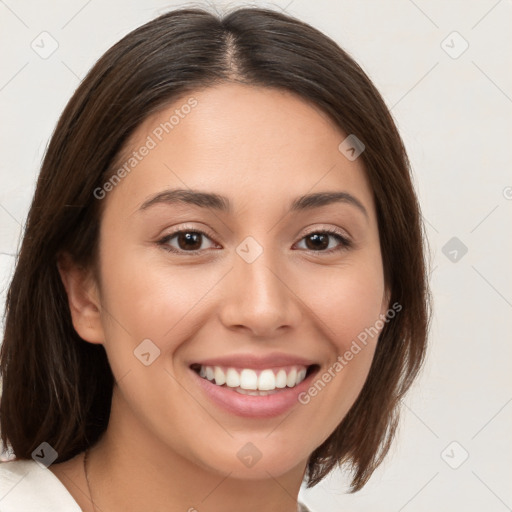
(454, 113)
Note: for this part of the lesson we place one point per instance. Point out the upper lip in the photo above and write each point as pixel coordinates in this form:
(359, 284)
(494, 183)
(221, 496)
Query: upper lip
(256, 361)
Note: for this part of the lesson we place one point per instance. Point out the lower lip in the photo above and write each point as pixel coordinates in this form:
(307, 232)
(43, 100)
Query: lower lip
(266, 406)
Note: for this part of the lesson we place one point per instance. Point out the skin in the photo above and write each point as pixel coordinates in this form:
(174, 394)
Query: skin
(167, 447)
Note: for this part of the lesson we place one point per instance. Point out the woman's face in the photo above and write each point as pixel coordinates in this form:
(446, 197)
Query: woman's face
(265, 289)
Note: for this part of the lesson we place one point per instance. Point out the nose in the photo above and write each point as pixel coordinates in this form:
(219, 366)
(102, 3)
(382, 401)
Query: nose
(259, 298)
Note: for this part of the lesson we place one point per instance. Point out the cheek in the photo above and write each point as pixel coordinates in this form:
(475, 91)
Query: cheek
(347, 300)
(149, 298)
(153, 301)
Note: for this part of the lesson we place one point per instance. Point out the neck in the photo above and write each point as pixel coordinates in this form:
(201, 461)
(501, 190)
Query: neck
(130, 470)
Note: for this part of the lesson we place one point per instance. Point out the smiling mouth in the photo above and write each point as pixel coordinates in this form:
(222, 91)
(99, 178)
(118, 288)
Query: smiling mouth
(256, 382)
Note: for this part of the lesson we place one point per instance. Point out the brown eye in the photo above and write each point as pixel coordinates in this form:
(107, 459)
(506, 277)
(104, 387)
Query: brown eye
(319, 241)
(184, 241)
(189, 240)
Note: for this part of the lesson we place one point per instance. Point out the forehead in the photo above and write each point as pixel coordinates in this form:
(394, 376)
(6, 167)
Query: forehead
(252, 144)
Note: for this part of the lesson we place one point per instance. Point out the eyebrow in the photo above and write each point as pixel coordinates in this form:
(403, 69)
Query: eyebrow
(223, 204)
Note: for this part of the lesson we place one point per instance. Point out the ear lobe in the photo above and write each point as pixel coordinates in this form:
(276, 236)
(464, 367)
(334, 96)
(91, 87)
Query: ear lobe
(385, 301)
(83, 299)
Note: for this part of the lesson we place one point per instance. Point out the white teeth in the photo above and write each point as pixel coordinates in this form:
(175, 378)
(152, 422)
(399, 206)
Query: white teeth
(232, 378)
(255, 393)
(248, 379)
(266, 380)
(249, 382)
(281, 379)
(292, 378)
(220, 378)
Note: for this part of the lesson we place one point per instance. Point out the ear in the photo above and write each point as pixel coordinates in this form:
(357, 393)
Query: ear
(386, 298)
(83, 299)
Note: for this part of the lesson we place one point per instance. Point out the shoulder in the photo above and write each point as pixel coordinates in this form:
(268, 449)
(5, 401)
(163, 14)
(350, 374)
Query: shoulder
(27, 486)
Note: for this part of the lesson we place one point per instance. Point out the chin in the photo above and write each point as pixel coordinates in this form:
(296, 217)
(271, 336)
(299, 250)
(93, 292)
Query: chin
(256, 460)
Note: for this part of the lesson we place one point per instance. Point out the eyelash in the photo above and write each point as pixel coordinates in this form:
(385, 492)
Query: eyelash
(345, 242)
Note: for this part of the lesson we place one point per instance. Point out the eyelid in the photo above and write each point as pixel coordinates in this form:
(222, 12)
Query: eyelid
(327, 229)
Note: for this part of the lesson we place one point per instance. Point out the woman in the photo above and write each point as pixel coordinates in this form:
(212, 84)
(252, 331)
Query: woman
(221, 289)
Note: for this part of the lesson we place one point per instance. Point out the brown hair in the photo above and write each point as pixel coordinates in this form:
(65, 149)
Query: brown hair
(57, 387)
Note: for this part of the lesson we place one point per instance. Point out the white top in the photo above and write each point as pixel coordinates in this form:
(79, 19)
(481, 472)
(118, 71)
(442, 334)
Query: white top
(26, 486)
